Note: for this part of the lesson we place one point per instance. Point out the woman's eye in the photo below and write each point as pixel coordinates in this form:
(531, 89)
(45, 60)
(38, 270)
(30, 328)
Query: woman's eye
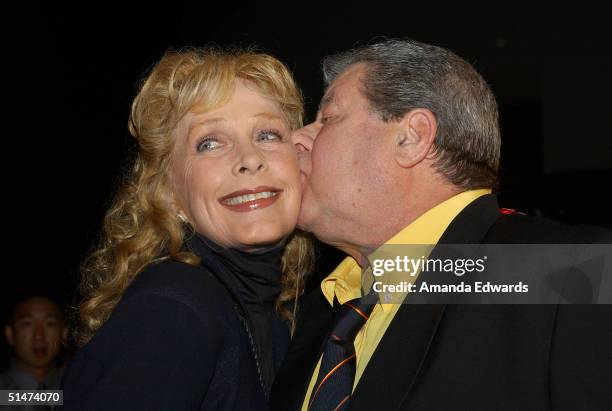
(207, 144)
(269, 135)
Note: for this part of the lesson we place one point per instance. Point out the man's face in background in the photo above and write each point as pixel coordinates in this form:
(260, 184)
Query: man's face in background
(36, 332)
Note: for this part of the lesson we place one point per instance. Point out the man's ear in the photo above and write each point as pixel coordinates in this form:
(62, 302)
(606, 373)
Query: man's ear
(417, 134)
(9, 335)
(64, 334)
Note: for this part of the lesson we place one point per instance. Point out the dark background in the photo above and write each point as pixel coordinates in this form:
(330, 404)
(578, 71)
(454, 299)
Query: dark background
(69, 73)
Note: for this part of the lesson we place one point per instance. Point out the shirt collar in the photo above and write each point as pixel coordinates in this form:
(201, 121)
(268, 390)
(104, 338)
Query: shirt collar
(344, 282)
(26, 382)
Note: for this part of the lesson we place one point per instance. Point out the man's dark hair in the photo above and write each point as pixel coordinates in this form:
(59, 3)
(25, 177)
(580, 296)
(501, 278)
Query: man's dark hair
(12, 313)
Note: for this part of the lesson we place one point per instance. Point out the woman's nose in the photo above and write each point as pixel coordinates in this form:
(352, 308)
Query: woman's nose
(250, 161)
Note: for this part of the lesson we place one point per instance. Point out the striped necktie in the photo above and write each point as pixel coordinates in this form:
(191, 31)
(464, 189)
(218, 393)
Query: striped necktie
(337, 371)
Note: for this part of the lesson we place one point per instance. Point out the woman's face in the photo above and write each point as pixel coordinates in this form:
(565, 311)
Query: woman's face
(235, 172)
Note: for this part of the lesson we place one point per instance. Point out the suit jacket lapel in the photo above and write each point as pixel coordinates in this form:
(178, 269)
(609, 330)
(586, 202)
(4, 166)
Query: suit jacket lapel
(393, 369)
(314, 324)
(397, 360)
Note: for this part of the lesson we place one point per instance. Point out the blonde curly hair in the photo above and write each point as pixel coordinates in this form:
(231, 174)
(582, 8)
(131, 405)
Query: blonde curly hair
(141, 227)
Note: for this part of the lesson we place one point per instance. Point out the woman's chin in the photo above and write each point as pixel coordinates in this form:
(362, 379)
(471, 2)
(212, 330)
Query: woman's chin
(263, 242)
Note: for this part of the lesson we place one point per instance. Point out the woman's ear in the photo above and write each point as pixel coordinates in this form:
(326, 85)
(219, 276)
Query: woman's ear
(175, 207)
(416, 136)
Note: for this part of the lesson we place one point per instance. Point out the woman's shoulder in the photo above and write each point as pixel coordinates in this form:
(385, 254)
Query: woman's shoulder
(173, 322)
(193, 286)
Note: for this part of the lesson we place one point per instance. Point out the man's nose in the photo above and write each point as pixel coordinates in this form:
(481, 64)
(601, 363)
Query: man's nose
(39, 332)
(304, 138)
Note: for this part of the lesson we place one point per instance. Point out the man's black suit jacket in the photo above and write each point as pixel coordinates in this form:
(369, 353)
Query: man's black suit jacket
(474, 357)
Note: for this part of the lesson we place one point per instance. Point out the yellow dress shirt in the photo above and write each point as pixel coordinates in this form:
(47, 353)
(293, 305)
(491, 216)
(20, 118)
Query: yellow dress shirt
(345, 281)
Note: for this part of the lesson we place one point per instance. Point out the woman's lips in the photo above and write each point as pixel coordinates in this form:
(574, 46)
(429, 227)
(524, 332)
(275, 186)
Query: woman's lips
(250, 200)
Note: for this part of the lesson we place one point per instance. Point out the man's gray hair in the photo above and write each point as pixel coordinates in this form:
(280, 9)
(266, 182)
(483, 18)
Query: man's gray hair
(402, 75)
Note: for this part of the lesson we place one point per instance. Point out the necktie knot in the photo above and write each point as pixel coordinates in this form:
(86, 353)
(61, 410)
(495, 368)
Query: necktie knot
(350, 318)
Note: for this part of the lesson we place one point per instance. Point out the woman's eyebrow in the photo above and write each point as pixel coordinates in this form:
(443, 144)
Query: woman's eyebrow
(195, 123)
(270, 116)
(214, 120)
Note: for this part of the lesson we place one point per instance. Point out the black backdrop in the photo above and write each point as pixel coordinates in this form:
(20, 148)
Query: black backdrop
(69, 73)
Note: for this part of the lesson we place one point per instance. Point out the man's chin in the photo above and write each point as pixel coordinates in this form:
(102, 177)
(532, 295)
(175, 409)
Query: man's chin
(305, 217)
(303, 224)
(304, 229)
(39, 362)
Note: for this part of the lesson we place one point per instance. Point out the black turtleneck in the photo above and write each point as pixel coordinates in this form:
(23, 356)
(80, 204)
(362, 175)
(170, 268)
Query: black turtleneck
(187, 337)
(253, 280)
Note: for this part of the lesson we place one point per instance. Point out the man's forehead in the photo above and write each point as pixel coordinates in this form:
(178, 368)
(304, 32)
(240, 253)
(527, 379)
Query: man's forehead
(328, 99)
(349, 79)
(37, 306)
